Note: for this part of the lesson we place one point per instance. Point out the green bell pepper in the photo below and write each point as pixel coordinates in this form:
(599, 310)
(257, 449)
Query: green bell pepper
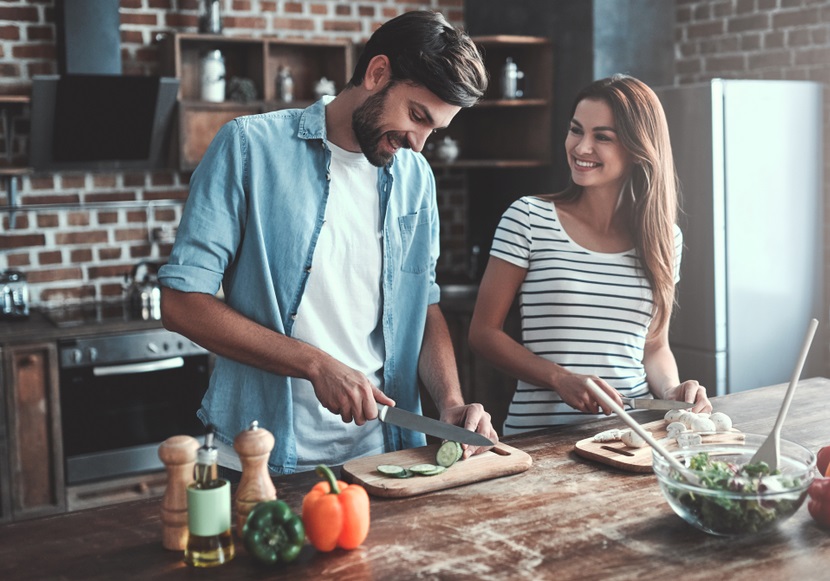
(273, 533)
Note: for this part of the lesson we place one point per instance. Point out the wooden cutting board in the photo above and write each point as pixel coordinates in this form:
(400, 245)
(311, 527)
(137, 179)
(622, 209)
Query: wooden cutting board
(621, 456)
(502, 460)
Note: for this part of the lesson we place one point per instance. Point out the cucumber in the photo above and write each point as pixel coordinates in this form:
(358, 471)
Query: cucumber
(438, 470)
(423, 468)
(448, 454)
(391, 470)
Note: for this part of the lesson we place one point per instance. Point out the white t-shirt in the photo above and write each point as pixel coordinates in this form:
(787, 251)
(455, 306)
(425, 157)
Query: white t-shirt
(340, 311)
(586, 311)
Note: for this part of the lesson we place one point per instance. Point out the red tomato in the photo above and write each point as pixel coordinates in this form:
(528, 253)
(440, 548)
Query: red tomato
(823, 461)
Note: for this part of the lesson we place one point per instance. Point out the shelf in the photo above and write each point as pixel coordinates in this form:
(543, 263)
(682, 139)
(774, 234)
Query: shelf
(256, 59)
(14, 100)
(107, 205)
(509, 39)
(15, 171)
(489, 163)
(508, 133)
(494, 103)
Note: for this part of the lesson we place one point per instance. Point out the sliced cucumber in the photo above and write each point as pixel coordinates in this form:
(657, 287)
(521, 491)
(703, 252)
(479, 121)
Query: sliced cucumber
(391, 470)
(448, 454)
(438, 470)
(423, 468)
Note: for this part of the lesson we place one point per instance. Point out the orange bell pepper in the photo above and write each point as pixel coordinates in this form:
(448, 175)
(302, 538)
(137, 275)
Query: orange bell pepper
(335, 514)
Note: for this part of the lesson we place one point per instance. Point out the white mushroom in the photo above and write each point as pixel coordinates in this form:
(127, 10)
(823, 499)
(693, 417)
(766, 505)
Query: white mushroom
(608, 436)
(673, 415)
(701, 424)
(686, 418)
(723, 423)
(632, 439)
(686, 439)
(675, 428)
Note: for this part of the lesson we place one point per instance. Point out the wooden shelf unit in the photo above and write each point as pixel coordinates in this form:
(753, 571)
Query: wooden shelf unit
(257, 59)
(508, 133)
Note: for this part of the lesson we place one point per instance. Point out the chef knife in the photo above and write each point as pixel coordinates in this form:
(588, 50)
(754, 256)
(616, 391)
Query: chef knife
(639, 403)
(443, 430)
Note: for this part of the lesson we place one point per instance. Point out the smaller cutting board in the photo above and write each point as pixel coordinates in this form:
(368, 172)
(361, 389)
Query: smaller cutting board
(621, 456)
(502, 460)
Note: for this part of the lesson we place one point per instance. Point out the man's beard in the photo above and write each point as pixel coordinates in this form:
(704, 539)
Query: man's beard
(367, 132)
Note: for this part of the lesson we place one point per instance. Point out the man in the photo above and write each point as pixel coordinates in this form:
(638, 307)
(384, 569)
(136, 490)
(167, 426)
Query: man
(321, 225)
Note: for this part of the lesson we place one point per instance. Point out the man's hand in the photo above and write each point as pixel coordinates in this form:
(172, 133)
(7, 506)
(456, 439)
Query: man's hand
(347, 392)
(474, 418)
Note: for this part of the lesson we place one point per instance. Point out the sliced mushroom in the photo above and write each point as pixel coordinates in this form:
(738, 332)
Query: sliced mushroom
(632, 439)
(608, 436)
(675, 428)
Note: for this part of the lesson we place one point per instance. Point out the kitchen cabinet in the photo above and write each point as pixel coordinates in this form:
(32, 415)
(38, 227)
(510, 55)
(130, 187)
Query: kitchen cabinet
(35, 454)
(508, 133)
(257, 60)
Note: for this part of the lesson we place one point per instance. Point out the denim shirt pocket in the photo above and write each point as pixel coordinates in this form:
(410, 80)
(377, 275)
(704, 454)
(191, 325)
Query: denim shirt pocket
(415, 251)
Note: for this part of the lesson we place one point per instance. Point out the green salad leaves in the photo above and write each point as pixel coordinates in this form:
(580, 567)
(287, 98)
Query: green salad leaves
(745, 499)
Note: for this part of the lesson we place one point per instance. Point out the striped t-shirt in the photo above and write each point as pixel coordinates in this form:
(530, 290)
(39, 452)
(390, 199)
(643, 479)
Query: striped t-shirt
(586, 311)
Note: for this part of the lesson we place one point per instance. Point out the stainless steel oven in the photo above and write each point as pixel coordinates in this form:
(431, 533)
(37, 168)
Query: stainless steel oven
(124, 394)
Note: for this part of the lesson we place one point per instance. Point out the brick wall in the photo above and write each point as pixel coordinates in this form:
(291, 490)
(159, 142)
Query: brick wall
(760, 39)
(93, 227)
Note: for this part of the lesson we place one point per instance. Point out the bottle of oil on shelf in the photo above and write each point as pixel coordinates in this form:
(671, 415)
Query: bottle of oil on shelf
(210, 542)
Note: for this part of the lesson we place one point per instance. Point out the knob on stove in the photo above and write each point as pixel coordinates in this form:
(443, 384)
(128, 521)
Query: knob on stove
(76, 355)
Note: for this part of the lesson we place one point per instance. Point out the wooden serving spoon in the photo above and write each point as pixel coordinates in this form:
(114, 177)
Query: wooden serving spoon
(770, 450)
(608, 403)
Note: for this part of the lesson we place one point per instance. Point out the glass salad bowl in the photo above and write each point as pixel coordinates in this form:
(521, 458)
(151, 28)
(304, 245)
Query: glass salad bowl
(733, 497)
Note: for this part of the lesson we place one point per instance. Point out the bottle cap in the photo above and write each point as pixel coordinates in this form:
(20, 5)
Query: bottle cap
(208, 453)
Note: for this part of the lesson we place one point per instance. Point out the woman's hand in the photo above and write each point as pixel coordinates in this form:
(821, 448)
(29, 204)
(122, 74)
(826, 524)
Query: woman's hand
(573, 389)
(474, 418)
(692, 393)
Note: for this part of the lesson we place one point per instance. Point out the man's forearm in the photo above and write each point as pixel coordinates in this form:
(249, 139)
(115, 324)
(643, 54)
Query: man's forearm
(219, 328)
(436, 365)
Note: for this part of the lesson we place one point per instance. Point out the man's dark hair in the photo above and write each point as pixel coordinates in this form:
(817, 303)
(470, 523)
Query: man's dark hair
(423, 48)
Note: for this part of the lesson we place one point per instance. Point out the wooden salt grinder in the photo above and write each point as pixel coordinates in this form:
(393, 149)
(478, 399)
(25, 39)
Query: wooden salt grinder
(253, 446)
(179, 456)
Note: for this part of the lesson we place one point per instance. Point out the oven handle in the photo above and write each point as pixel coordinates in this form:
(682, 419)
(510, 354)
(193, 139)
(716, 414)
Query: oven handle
(146, 367)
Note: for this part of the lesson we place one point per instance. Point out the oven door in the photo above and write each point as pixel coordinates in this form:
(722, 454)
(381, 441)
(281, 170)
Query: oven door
(115, 416)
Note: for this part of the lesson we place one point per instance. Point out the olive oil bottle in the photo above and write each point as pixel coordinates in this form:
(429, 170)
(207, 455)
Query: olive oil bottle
(210, 541)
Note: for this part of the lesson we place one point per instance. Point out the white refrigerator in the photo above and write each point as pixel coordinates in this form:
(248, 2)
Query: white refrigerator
(749, 158)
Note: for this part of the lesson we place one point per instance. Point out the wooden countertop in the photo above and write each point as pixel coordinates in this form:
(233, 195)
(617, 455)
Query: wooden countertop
(565, 518)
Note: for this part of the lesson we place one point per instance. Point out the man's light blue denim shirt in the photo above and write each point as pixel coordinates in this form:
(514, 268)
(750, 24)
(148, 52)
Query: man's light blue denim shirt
(256, 205)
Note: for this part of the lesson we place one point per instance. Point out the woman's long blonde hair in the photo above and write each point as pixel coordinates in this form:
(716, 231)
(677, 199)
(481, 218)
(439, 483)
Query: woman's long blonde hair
(652, 187)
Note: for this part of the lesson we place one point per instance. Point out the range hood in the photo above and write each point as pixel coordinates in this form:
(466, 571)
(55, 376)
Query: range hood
(91, 117)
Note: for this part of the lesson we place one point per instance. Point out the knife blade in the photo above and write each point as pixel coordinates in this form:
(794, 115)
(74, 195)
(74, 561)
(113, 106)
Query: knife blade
(443, 430)
(639, 403)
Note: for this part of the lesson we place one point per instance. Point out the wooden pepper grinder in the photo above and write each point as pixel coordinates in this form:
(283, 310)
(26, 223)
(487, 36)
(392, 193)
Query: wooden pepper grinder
(254, 445)
(179, 456)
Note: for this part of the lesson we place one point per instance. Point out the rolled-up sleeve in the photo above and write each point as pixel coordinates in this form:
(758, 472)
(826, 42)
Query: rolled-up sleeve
(213, 219)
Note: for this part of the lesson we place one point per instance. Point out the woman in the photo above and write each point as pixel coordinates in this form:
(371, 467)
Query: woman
(595, 267)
